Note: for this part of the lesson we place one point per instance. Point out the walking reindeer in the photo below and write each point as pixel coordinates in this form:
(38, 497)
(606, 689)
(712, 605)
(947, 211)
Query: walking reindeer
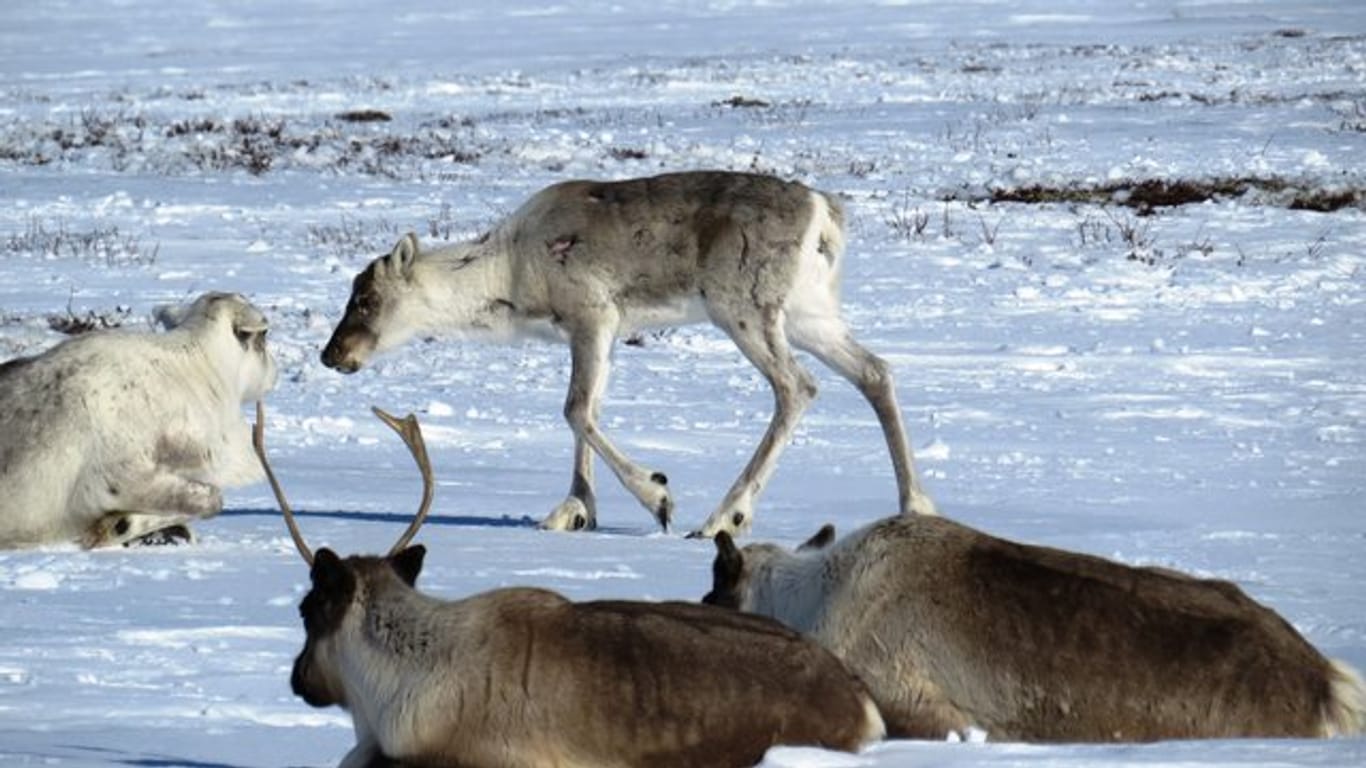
(523, 678)
(591, 261)
(951, 627)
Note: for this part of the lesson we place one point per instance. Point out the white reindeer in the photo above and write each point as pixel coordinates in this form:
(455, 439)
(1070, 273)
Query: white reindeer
(592, 261)
(113, 435)
(523, 678)
(951, 627)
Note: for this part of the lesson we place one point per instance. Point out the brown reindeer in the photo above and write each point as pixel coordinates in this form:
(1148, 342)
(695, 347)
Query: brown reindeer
(589, 261)
(523, 677)
(951, 627)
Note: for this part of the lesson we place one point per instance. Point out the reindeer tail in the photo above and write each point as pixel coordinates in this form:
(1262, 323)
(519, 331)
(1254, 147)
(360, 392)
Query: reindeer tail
(1345, 713)
(875, 729)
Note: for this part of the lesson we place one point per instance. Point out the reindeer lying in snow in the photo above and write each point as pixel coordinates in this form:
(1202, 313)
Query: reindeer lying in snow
(113, 436)
(590, 261)
(951, 627)
(523, 677)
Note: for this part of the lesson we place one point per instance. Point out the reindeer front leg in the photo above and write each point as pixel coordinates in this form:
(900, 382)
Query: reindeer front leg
(590, 348)
(366, 754)
(758, 332)
(126, 527)
(140, 503)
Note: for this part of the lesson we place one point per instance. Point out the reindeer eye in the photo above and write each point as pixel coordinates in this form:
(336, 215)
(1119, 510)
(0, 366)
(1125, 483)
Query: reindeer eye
(247, 338)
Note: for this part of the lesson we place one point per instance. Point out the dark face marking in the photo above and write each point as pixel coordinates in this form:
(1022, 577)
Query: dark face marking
(323, 609)
(334, 585)
(355, 328)
(366, 300)
(250, 340)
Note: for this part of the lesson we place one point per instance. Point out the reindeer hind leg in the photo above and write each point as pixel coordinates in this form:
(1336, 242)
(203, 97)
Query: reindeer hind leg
(828, 338)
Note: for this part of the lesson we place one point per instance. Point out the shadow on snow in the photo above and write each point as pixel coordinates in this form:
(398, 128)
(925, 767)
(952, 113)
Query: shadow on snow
(463, 521)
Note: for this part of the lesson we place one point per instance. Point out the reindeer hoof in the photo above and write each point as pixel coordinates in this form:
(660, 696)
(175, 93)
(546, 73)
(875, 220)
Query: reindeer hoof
(571, 515)
(170, 536)
(736, 521)
(664, 513)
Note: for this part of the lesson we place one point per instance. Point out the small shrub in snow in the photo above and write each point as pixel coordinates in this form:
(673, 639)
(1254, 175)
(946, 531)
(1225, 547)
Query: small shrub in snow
(103, 244)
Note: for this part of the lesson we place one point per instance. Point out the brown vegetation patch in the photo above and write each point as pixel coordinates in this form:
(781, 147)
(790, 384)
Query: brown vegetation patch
(743, 102)
(364, 116)
(73, 324)
(1148, 194)
(627, 153)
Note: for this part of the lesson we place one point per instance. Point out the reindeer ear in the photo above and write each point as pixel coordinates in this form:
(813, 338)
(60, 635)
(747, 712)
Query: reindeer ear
(821, 540)
(331, 576)
(326, 564)
(203, 308)
(725, 574)
(408, 563)
(400, 260)
(247, 320)
(334, 586)
(169, 316)
(729, 562)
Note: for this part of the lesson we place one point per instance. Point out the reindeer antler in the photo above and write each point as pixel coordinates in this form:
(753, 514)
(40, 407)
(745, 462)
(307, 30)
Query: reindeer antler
(258, 441)
(408, 429)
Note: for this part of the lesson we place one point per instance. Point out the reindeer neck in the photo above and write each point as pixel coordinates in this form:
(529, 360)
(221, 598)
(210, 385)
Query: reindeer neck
(200, 356)
(392, 643)
(793, 589)
(398, 661)
(470, 287)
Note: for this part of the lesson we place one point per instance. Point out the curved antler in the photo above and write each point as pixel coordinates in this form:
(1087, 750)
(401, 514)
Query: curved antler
(408, 429)
(258, 441)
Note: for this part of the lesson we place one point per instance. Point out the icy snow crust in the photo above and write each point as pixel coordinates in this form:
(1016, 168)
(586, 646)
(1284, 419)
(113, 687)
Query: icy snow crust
(1186, 388)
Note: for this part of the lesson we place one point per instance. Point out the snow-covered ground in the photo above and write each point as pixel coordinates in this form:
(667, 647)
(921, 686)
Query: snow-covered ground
(1179, 385)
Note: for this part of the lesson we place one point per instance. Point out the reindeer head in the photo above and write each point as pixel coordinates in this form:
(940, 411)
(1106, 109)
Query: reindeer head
(234, 332)
(733, 571)
(374, 320)
(332, 610)
(334, 606)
